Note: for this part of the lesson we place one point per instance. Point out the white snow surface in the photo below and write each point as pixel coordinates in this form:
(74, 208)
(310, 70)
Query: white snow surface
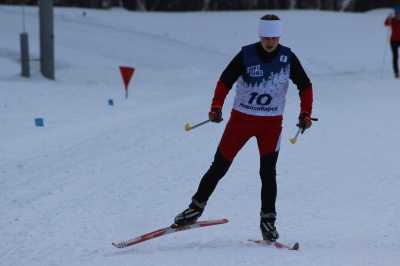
(97, 174)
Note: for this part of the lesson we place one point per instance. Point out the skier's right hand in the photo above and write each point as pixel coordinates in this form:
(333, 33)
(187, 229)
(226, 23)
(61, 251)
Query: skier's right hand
(215, 114)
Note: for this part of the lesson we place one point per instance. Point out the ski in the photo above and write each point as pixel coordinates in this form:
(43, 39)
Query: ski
(276, 244)
(168, 230)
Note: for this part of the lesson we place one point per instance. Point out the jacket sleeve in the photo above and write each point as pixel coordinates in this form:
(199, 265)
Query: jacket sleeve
(220, 93)
(306, 101)
(303, 83)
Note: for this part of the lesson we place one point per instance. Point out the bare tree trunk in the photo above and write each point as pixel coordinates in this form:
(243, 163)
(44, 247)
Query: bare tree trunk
(335, 4)
(348, 5)
(141, 5)
(292, 4)
(205, 5)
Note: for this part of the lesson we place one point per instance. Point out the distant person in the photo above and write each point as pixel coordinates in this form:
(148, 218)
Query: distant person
(394, 23)
(262, 71)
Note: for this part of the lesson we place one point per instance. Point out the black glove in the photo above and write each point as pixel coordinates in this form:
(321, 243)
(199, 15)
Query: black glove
(304, 121)
(215, 114)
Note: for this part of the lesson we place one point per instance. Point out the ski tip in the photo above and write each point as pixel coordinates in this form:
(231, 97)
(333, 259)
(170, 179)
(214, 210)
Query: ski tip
(115, 245)
(296, 246)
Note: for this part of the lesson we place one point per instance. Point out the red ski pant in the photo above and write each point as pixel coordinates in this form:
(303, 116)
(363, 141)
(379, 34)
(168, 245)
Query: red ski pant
(241, 127)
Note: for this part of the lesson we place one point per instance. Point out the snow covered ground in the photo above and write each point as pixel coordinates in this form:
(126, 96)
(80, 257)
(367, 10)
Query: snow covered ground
(97, 174)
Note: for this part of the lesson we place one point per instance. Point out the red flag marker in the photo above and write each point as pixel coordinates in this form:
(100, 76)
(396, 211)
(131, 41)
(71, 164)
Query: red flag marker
(126, 73)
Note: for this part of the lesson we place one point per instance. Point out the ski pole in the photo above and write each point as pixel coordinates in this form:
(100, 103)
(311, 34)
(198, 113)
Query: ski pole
(293, 140)
(188, 127)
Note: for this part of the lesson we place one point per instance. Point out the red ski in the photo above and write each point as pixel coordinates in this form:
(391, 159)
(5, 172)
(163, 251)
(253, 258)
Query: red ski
(166, 231)
(276, 244)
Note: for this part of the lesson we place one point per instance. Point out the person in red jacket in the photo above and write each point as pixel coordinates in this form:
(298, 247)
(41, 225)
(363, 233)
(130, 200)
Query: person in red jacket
(262, 71)
(394, 23)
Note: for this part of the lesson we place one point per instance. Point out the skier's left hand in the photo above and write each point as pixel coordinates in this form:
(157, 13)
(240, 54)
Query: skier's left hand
(304, 121)
(215, 114)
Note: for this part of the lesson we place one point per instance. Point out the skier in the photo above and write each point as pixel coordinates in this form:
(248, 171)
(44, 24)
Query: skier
(394, 23)
(262, 71)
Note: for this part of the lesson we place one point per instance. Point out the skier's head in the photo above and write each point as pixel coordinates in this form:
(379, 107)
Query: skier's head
(270, 31)
(397, 10)
(270, 26)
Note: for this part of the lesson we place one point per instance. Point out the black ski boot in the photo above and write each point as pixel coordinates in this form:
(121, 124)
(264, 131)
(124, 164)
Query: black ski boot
(267, 226)
(190, 215)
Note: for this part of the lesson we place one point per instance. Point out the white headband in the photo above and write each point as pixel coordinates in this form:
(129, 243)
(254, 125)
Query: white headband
(270, 28)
